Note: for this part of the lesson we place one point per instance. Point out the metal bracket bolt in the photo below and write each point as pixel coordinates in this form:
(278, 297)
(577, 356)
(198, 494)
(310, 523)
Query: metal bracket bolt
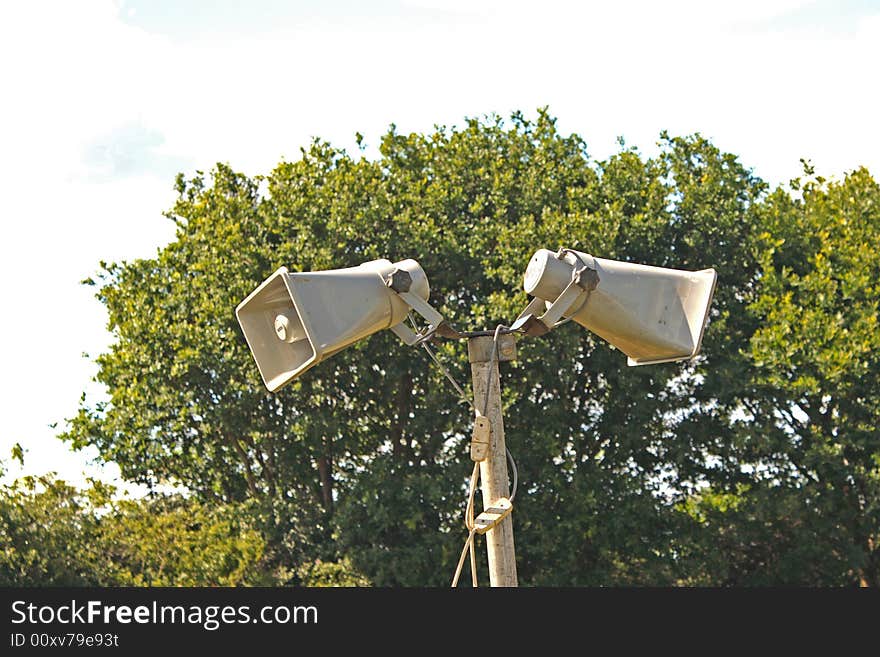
(586, 278)
(399, 280)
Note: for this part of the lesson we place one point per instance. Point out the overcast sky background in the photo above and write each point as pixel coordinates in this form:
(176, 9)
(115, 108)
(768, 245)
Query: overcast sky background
(104, 102)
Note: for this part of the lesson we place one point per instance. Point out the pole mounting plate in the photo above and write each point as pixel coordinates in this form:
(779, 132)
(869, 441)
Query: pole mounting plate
(492, 516)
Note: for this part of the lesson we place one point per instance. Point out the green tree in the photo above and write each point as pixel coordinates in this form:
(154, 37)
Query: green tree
(816, 355)
(45, 534)
(363, 460)
(54, 534)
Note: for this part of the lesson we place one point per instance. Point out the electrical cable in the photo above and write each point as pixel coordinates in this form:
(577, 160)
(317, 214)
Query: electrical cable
(443, 368)
(514, 473)
(467, 399)
(446, 373)
(492, 358)
(468, 543)
(469, 523)
(469, 511)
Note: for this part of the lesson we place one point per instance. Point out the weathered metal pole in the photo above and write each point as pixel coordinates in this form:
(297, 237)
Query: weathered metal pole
(493, 470)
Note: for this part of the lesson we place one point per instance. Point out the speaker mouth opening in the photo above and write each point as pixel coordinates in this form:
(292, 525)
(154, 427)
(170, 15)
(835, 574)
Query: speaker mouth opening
(275, 332)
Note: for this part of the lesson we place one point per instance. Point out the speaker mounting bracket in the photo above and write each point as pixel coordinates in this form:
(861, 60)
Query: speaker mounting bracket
(584, 279)
(423, 309)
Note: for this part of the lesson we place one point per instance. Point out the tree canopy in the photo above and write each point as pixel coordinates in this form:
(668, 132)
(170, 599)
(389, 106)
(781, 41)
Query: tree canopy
(757, 463)
(56, 535)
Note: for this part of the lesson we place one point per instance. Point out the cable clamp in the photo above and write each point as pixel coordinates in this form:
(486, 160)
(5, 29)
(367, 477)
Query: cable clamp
(490, 517)
(481, 438)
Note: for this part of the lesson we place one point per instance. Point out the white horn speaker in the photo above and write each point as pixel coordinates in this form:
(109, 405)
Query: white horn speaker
(293, 321)
(652, 314)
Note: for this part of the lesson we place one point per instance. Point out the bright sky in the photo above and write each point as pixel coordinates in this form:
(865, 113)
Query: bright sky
(103, 102)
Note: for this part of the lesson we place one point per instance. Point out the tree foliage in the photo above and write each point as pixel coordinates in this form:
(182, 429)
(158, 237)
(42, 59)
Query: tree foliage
(756, 463)
(55, 534)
